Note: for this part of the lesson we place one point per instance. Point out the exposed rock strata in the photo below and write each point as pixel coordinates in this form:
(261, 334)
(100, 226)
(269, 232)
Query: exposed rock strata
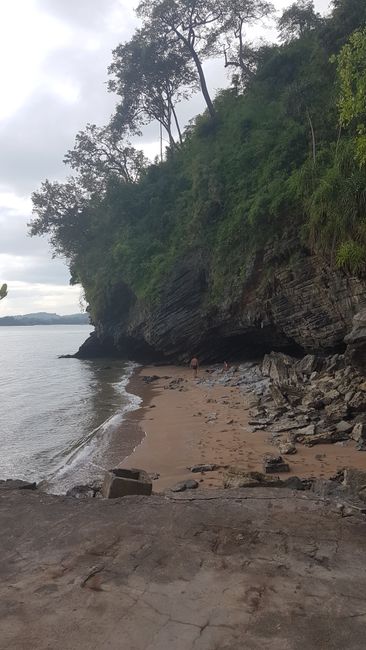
(287, 300)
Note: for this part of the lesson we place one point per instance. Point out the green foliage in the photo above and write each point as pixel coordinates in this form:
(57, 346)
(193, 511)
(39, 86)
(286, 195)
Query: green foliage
(352, 256)
(352, 80)
(297, 20)
(271, 162)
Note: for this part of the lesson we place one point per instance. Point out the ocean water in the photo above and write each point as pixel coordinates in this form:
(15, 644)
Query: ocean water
(60, 419)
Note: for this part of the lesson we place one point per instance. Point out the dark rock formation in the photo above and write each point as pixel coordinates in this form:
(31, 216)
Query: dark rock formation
(356, 342)
(288, 300)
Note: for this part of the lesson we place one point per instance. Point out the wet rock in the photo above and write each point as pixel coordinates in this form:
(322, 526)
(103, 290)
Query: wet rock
(274, 465)
(190, 484)
(17, 484)
(149, 379)
(84, 491)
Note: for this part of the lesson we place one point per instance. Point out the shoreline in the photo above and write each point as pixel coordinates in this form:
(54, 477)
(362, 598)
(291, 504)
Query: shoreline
(184, 422)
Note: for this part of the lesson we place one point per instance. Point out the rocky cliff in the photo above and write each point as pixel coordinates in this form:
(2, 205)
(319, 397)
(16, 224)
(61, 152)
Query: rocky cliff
(287, 300)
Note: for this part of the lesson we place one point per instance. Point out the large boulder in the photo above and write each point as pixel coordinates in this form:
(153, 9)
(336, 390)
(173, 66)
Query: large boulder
(125, 482)
(356, 342)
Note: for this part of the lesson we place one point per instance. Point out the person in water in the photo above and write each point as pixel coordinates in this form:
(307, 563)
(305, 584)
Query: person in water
(194, 365)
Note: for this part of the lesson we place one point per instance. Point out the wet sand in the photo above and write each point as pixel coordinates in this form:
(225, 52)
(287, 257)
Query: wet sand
(192, 423)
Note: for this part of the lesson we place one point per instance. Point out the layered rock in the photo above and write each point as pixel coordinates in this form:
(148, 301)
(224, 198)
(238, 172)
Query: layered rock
(356, 340)
(288, 300)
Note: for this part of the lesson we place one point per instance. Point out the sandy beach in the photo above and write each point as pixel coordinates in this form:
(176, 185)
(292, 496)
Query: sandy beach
(185, 423)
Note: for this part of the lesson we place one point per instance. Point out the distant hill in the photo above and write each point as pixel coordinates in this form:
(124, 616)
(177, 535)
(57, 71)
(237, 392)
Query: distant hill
(42, 318)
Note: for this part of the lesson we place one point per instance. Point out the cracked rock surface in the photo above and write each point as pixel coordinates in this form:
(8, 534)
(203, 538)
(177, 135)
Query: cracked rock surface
(233, 569)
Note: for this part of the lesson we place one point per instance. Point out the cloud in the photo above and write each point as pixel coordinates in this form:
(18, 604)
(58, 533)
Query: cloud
(27, 297)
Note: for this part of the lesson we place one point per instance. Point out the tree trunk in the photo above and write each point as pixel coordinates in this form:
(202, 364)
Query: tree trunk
(204, 88)
(312, 135)
(177, 125)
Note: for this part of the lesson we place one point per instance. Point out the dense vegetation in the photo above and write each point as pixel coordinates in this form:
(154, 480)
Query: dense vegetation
(281, 152)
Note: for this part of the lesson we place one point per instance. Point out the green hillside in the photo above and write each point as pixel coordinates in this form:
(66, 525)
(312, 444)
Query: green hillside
(284, 152)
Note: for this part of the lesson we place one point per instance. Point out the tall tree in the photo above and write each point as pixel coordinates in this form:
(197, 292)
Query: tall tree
(298, 19)
(101, 153)
(150, 79)
(195, 24)
(240, 14)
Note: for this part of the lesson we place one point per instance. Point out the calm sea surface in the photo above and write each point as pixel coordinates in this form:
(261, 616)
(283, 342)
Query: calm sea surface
(59, 418)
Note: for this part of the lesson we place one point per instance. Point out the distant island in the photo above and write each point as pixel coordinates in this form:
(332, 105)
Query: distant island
(42, 318)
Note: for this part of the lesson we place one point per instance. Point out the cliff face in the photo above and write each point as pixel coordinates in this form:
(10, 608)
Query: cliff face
(290, 301)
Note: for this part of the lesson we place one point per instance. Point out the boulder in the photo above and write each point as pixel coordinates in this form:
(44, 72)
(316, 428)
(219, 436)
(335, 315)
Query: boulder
(185, 485)
(237, 478)
(208, 467)
(277, 366)
(344, 427)
(359, 432)
(287, 448)
(274, 465)
(124, 482)
(358, 402)
(322, 438)
(307, 365)
(355, 482)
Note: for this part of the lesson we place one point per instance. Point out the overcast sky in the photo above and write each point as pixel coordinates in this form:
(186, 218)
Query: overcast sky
(54, 56)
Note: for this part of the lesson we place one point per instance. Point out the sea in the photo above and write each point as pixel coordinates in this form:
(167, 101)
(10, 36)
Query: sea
(61, 420)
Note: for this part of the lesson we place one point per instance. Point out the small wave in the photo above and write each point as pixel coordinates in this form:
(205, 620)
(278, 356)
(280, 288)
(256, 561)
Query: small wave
(82, 461)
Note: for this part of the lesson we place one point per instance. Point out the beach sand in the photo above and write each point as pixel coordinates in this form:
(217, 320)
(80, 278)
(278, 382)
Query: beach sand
(185, 423)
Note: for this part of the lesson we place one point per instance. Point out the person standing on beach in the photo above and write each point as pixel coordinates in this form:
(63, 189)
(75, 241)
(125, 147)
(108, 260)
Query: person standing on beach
(194, 365)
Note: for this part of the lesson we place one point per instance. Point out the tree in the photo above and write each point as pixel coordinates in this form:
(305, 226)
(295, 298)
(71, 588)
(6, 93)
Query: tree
(195, 24)
(352, 79)
(298, 19)
(150, 80)
(61, 212)
(240, 14)
(101, 153)
(3, 291)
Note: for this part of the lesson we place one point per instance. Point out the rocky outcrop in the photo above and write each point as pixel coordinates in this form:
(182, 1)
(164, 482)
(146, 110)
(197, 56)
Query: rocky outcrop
(264, 568)
(356, 342)
(287, 300)
(311, 401)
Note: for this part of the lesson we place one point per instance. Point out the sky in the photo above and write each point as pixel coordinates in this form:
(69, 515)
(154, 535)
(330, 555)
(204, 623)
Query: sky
(54, 56)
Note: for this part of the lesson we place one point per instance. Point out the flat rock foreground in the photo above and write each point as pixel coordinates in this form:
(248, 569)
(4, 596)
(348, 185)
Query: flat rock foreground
(234, 569)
